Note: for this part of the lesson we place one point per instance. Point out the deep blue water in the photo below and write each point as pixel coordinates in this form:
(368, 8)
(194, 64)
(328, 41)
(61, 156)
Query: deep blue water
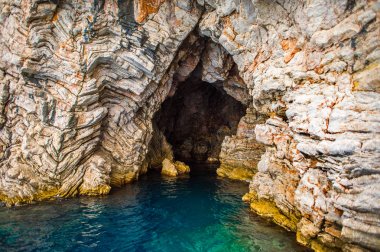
(198, 213)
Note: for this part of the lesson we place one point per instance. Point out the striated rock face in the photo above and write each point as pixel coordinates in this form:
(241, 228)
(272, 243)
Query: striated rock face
(80, 82)
(240, 153)
(301, 62)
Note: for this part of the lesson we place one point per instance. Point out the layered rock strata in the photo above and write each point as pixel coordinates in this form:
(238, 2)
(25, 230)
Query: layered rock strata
(80, 82)
(241, 153)
(311, 69)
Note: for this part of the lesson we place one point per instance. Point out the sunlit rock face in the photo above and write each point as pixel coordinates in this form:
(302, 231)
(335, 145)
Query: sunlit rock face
(81, 81)
(311, 68)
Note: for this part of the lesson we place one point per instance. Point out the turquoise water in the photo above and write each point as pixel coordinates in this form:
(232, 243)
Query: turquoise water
(198, 213)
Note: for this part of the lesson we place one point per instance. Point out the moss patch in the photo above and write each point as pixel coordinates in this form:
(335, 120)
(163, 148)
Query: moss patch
(118, 179)
(43, 195)
(268, 209)
(99, 190)
(238, 173)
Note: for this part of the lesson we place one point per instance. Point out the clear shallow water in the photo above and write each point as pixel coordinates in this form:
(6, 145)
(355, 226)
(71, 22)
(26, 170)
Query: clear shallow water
(197, 213)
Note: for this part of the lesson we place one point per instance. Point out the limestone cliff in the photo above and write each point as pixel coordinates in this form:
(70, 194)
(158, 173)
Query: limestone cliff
(80, 82)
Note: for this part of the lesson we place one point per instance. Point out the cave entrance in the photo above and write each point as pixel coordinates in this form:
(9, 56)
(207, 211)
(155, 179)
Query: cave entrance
(196, 119)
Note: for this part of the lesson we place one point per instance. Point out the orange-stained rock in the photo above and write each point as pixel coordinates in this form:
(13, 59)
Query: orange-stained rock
(146, 7)
(290, 46)
(81, 82)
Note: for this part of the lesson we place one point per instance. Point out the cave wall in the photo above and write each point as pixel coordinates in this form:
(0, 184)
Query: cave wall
(80, 83)
(197, 118)
(312, 68)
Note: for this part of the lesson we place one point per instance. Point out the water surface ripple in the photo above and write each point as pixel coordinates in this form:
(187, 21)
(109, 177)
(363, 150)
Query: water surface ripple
(198, 213)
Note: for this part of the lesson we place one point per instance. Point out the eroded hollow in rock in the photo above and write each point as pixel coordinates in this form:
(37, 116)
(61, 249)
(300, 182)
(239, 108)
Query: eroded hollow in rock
(196, 119)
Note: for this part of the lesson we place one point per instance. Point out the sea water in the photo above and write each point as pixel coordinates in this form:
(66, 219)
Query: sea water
(198, 212)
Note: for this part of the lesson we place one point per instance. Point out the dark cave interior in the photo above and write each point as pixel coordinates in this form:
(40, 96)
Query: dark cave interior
(196, 119)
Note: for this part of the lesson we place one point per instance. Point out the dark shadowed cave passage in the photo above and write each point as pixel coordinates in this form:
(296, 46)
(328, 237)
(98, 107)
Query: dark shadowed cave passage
(196, 119)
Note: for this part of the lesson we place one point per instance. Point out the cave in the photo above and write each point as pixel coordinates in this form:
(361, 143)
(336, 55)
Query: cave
(197, 118)
(143, 99)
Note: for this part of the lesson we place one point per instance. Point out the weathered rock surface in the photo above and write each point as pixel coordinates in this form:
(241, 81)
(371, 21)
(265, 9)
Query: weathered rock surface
(241, 153)
(173, 169)
(80, 82)
(311, 68)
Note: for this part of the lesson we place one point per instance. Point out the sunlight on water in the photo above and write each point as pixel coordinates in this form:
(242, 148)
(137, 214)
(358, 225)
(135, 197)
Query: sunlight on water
(196, 213)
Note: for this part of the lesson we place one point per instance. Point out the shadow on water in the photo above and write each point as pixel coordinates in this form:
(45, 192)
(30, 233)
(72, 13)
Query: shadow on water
(199, 212)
